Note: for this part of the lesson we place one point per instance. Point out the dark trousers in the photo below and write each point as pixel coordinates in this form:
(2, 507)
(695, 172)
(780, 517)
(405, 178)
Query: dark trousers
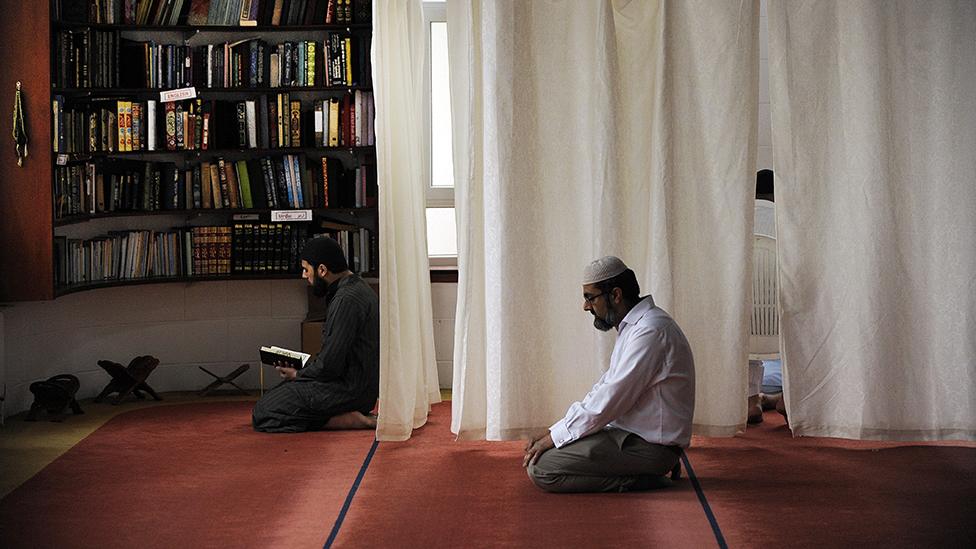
(611, 460)
(299, 406)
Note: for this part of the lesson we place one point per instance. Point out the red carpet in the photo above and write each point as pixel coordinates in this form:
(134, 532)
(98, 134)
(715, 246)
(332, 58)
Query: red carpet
(190, 476)
(435, 492)
(187, 476)
(768, 489)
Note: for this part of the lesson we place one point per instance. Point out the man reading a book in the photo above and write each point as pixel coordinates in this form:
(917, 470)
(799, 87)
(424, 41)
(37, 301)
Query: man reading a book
(630, 429)
(337, 388)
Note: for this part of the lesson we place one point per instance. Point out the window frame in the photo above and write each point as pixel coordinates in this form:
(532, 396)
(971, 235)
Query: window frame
(435, 197)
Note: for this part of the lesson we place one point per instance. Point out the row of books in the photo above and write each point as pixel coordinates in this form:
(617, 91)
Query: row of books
(215, 12)
(256, 247)
(268, 122)
(360, 246)
(279, 121)
(248, 248)
(122, 255)
(133, 255)
(283, 182)
(339, 60)
(88, 58)
(244, 248)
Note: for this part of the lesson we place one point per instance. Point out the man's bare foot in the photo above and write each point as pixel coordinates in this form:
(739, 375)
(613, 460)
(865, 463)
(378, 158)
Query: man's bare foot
(755, 410)
(781, 408)
(769, 401)
(351, 420)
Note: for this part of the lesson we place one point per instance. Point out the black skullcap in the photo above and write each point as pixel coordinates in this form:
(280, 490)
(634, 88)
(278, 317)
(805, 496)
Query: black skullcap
(323, 250)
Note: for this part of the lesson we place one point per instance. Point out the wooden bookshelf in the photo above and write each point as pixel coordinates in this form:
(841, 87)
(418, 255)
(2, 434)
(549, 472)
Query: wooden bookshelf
(195, 29)
(70, 289)
(351, 216)
(221, 151)
(204, 92)
(32, 220)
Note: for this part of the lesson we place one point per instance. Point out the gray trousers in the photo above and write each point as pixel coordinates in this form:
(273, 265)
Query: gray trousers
(610, 460)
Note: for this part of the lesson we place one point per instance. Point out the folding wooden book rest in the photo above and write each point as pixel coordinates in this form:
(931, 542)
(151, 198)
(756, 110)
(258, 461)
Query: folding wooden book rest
(221, 380)
(55, 395)
(129, 379)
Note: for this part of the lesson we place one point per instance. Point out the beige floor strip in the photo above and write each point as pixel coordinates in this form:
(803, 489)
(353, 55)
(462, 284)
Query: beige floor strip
(27, 447)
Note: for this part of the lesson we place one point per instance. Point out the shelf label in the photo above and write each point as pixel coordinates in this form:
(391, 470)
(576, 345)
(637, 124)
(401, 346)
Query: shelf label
(290, 215)
(247, 217)
(62, 159)
(177, 95)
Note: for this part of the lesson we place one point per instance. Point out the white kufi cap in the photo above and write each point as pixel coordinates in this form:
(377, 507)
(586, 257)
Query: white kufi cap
(602, 269)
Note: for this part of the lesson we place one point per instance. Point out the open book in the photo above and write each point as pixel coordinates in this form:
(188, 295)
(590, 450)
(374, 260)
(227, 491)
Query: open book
(294, 359)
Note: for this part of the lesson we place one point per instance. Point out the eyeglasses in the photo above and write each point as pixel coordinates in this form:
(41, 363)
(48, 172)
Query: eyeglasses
(592, 297)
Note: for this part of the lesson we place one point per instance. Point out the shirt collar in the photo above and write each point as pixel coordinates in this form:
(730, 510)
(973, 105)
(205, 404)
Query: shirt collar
(639, 310)
(334, 287)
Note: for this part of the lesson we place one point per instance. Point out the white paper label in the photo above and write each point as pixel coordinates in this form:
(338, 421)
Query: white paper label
(247, 217)
(177, 95)
(62, 159)
(278, 216)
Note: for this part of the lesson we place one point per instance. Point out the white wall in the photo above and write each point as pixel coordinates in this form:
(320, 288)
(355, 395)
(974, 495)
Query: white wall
(444, 297)
(218, 325)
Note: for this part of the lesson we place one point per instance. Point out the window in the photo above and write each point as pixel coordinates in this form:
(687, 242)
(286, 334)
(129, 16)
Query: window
(439, 168)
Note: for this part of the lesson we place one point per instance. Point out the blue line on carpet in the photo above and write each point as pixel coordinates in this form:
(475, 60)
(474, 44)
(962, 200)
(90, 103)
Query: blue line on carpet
(352, 493)
(704, 503)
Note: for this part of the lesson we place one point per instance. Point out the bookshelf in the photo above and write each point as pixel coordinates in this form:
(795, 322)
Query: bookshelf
(128, 185)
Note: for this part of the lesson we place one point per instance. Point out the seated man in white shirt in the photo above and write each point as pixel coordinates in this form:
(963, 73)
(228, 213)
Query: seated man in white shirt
(632, 426)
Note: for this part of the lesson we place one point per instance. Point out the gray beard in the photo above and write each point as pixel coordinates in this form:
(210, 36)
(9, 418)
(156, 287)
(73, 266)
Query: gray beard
(604, 324)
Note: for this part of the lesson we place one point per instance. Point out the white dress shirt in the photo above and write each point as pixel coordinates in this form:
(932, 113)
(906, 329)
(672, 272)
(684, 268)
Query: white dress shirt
(649, 389)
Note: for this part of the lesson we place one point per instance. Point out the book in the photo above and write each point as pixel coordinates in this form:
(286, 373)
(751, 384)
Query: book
(198, 12)
(170, 108)
(333, 122)
(151, 124)
(244, 182)
(217, 194)
(250, 119)
(318, 124)
(206, 187)
(294, 359)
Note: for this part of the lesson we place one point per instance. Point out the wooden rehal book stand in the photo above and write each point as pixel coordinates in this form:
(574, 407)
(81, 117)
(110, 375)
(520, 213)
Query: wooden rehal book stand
(129, 379)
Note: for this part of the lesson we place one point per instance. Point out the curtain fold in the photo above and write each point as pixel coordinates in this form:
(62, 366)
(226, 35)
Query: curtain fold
(583, 129)
(408, 369)
(874, 135)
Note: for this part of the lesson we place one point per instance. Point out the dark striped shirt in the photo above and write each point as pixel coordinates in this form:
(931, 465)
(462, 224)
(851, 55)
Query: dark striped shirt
(350, 354)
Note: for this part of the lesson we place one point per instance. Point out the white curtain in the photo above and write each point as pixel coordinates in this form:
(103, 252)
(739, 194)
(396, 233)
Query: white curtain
(874, 136)
(408, 371)
(591, 128)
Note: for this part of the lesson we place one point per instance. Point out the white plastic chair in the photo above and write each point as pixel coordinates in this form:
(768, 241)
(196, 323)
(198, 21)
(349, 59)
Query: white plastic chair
(764, 328)
(764, 323)
(765, 218)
